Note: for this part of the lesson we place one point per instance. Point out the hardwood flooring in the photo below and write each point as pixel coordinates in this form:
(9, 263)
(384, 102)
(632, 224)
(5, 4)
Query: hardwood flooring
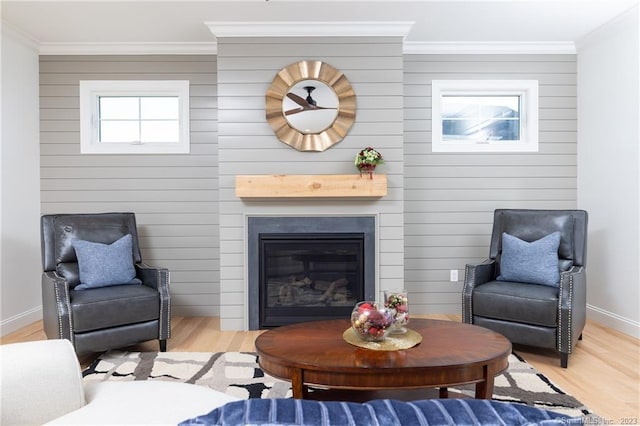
(603, 373)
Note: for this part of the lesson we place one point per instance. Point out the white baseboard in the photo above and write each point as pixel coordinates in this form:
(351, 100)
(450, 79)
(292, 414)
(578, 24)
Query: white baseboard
(16, 322)
(615, 321)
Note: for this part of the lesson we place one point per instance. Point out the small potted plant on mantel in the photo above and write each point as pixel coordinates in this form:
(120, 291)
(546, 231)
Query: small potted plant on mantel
(367, 160)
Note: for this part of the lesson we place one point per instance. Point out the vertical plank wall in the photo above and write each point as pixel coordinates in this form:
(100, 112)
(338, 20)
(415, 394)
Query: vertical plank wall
(247, 145)
(450, 197)
(174, 196)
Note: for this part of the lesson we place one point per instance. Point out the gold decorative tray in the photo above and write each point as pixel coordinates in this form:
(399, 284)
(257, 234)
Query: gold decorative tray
(393, 342)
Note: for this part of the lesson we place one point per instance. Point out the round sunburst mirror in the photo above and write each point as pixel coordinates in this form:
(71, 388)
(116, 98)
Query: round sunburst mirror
(310, 105)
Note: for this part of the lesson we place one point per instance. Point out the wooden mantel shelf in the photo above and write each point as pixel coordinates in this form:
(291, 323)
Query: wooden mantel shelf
(310, 186)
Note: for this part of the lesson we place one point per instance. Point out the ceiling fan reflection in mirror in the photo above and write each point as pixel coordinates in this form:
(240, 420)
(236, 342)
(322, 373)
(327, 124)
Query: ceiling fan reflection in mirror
(304, 104)
(313, 113)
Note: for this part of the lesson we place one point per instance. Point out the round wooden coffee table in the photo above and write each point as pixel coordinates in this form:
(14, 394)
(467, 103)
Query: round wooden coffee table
(451, 353)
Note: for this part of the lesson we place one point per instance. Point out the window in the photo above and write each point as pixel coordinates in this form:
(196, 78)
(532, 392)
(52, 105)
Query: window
(484, 116)
(134, 117)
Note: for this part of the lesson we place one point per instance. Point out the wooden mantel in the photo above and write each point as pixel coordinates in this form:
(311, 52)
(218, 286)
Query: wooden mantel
(310, 186)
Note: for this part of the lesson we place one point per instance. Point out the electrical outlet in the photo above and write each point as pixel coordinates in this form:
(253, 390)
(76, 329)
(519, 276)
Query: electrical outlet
(453, 275)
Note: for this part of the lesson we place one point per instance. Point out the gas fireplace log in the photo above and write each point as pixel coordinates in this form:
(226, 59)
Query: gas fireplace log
(305, 282)
(333, 288)
(301, 292)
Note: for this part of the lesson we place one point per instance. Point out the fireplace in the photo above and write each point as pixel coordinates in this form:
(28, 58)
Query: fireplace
(308, 268)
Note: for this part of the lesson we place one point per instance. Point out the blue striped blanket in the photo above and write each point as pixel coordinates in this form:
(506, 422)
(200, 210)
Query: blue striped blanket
(382, 412)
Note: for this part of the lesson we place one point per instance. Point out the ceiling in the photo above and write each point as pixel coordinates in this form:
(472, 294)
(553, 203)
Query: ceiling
(55, 24)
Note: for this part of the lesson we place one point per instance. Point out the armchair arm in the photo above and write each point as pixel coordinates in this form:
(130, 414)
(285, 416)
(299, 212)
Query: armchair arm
(572, 307)
(56, 307)
(158, 278)
(475, 275)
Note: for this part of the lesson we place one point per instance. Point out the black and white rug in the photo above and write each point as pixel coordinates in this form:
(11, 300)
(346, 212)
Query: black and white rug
(238, 374)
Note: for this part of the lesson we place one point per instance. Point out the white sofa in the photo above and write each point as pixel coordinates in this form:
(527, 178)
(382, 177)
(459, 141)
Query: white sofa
(41, 383)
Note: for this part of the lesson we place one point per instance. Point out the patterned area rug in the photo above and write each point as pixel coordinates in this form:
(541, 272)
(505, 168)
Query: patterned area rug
(238, 374)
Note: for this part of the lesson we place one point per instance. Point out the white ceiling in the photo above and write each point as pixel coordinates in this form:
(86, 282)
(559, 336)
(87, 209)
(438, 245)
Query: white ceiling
(436, 22)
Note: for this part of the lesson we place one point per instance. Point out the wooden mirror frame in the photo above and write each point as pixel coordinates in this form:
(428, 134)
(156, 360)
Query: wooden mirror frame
(310, 70)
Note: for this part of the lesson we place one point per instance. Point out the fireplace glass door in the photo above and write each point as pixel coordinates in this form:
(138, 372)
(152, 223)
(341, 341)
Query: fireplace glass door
(305, 277)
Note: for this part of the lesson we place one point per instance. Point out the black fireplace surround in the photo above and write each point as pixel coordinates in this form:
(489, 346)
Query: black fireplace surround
(308, 268)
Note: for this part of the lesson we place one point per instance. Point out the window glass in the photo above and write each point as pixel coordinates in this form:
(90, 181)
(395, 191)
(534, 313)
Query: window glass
(148, 119)
(159, 131)
(118, 131)
(134, 116)
(114, 108)
(481, 118)
(153, 108)
(484, 116)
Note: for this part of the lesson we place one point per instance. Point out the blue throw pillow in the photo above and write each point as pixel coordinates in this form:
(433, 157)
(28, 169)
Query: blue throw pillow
(102, 265)
(534, 263)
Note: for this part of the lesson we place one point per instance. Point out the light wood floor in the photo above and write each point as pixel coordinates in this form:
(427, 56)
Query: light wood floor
(603, 371)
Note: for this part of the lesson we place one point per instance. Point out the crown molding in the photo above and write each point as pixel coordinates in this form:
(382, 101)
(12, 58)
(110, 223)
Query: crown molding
(490, 47)
(290, 29)
(210, 48)
(199, 48)
(310, 29)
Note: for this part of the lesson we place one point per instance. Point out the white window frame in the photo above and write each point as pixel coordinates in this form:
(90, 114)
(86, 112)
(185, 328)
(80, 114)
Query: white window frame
(526, 89)
(92, 90)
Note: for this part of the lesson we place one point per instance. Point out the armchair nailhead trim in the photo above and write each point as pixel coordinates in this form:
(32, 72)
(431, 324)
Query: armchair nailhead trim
(168, 304)
(58, 301)
(67, 299)
(467, 299)
(165, 330)
(160, 286)
(67, 302)
(561, 341)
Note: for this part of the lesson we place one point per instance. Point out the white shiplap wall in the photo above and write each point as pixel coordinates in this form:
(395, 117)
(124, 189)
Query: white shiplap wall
(247, 145)
(174, 196)
(450, 197)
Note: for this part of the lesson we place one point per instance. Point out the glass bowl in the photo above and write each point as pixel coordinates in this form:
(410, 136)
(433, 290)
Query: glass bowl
(370, 322)
(398, 302)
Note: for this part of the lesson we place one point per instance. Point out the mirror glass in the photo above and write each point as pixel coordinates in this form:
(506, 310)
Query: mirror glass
(310, 106)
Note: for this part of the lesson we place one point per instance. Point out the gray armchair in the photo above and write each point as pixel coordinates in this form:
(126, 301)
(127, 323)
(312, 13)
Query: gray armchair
(106, 315)
(544, 316)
